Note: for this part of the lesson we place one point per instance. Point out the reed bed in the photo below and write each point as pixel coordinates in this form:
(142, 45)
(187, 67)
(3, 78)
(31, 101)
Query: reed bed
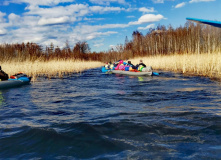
(52, 68)
(208, 65)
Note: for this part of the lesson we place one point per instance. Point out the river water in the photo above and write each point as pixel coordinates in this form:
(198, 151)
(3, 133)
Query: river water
(106, 116)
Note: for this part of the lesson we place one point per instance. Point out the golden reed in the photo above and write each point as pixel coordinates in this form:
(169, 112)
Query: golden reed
(208, 65)
(50, 69)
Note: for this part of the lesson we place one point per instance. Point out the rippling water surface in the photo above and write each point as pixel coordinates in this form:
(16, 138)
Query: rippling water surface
(105, 116)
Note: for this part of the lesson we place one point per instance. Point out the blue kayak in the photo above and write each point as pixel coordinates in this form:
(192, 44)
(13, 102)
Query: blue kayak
(10, 83)
(104, 70)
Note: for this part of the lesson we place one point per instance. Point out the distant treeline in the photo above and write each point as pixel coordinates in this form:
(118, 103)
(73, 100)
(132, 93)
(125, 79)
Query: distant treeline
(191, 39)
(33, 51)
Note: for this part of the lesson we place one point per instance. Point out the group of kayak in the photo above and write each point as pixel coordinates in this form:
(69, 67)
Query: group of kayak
(119, 67)
(16, 80)
(127, 68)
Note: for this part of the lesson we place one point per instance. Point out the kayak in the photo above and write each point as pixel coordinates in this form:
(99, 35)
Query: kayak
(104, 70)
(10, 83)
(130, 73)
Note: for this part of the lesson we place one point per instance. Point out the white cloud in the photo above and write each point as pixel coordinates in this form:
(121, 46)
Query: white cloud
(105, 9)
(70, 22)
(59, 11)
(147, 27)
(35, 26)
(13, 18)
(21, 35)
(25, 29)
(72, 11)
(180, 5)
(18, 21)
(161, 1)
(98, 45)
(196, 1)
(146, 10)
(147, 18)
(88, 29)
(107, 2)
(52, 21)
(92, 32)
(98, 34)
(93, 19)
(29, 21)
(2, 31)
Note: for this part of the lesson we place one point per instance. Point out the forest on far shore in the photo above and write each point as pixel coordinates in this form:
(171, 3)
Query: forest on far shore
(188, 39)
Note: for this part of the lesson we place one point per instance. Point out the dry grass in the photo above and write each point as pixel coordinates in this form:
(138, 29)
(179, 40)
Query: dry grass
(208, 65)
(49, 69)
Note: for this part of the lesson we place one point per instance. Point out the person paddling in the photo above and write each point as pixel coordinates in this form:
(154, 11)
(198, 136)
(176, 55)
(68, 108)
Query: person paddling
(3, 75)
(130, 64)
(141, 63)
(140, 66)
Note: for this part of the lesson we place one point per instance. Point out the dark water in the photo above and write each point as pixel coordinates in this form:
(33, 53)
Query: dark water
(98, 116)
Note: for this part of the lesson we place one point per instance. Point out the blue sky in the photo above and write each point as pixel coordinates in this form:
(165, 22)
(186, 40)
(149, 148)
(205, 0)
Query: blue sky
(104, 24)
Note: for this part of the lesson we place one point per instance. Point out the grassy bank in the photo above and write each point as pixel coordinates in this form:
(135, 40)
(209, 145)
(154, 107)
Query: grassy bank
(208, 65)
(50, 69)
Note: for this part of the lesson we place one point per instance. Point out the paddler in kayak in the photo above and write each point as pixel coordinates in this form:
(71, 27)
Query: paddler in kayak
(131, 65)
(106, 66)
(141, 63)
(140, 66)
(3, 75)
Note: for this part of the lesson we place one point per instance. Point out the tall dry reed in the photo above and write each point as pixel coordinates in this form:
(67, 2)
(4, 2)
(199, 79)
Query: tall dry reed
(208, 65)
(51, 68)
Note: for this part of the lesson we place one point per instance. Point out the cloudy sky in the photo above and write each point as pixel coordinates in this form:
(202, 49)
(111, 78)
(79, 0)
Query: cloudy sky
(102, 23)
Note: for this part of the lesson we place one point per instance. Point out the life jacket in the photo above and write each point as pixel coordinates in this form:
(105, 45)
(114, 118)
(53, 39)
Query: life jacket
(140, 68)
(13, 77)
(121, 67)
(106, 66)
(18, 75)
(127, 68)
(119, 64)
(111, 66)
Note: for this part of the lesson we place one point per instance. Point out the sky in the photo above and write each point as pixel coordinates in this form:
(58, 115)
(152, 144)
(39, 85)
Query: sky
(103, 24)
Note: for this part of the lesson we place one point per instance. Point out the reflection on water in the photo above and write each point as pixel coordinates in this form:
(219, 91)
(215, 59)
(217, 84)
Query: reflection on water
(189, 89)
(98, 116)
(1, 99)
